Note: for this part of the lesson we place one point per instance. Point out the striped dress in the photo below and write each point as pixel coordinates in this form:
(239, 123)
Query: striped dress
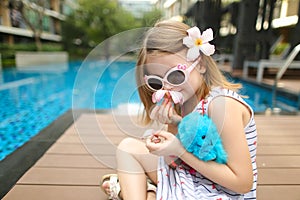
(184, 183)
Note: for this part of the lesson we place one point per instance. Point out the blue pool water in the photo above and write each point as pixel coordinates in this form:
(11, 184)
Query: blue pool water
(30, 100)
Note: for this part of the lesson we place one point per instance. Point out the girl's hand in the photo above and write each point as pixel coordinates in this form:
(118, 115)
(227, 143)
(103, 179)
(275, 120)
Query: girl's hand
(165, 113)
(164, 143)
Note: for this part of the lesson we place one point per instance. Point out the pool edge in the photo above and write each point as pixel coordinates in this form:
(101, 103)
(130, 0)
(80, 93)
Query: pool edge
(14, 166)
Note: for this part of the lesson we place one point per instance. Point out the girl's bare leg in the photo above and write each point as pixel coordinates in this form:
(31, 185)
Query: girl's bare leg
(135, 163)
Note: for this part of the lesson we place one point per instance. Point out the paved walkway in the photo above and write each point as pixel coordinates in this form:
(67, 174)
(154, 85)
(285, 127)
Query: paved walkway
(69, 171)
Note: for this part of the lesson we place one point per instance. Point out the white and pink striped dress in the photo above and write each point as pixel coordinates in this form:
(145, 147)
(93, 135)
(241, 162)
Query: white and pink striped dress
(184, 183)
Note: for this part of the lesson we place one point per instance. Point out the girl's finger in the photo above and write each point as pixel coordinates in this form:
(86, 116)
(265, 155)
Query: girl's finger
(161, 111)
(174, 117)
(171, 112)
(162, 134)
(151, 146)
(165, 111)
(154, 112)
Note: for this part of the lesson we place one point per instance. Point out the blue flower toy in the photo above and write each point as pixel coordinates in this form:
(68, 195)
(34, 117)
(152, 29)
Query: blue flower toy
(199, 136)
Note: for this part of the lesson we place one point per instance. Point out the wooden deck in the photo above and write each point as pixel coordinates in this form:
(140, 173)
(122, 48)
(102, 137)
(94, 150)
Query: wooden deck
(68, 171)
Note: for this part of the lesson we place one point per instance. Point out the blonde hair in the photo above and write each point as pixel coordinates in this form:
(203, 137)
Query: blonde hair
(166, 38)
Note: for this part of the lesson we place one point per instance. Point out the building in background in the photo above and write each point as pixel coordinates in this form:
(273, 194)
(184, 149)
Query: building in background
(13, 26)
(174, 9)
(285, 13)
(137, 7)
(245, 29)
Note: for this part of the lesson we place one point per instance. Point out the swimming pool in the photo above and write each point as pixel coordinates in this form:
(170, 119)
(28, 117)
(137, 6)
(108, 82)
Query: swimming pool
(31, 99)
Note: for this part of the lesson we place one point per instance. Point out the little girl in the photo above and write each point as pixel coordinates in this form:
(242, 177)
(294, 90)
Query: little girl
(175, 76)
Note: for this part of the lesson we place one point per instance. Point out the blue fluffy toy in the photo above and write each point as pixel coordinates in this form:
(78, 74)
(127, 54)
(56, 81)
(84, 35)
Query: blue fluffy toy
(199, 135)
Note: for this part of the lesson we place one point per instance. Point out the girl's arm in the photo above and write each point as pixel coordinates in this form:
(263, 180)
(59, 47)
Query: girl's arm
(230, 117)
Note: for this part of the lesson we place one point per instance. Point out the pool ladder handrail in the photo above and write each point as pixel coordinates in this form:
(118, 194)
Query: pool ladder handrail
(280, 73)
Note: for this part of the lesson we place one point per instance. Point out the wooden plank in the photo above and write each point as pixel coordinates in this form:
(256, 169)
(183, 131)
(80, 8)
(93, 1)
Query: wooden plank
(278, 161)
(282, 176)
(61, 148)
(267, 121)
(108, 131)
(278, 149)
(64, 176)
(280, 118)
(72, 161)
(97, 149)
(112, 123)
(280, 140)
(288, 132)
(57, 192)
(90, 139)
(278, 192)
(102, 120)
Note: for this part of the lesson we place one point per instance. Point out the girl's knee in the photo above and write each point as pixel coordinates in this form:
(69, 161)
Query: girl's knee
(126, 143)
(132, 145)
(134, 153)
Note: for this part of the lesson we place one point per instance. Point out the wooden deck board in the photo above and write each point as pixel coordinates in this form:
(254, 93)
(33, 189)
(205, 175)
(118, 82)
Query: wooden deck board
(71, 161)
(279, 176)
(57, 192)
(69, 171)
(278, 161)
(63, 176)
(278, 192)
(278, 150)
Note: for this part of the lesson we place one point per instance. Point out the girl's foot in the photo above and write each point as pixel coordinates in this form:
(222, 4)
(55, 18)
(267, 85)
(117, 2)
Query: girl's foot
(110, 186)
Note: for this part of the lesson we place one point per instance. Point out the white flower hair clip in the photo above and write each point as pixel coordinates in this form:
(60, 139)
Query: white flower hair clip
(197, 42)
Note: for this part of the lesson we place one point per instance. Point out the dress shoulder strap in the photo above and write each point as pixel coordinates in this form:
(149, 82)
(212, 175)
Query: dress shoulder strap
(202, 106)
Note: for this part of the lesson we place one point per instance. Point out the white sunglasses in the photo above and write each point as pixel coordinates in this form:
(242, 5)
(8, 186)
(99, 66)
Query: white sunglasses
(176, 76)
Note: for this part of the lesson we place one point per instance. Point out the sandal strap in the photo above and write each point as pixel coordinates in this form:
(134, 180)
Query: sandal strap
(150, 186)
(114, 188)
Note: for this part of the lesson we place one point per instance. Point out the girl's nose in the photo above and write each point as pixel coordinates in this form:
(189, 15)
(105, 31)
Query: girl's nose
(167, 86)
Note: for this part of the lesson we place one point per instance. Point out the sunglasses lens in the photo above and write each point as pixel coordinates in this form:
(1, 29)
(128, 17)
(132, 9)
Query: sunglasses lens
(176, 77)
(155, 84)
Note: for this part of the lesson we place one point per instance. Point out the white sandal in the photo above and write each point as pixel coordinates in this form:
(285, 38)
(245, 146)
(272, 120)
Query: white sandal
(114, 186)
(150, 186)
